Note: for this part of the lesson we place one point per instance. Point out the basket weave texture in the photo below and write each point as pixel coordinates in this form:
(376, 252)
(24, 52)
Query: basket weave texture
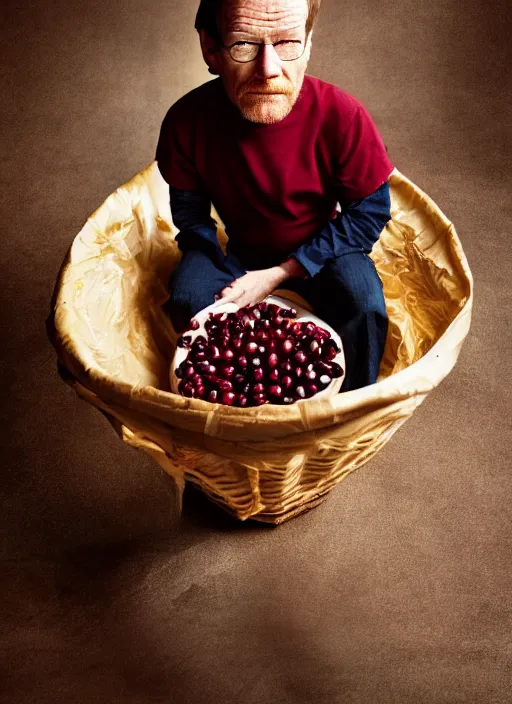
(270, 463)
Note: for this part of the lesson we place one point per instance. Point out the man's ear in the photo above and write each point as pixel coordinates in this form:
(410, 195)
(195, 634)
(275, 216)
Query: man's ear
(210, 52)
(309, 44)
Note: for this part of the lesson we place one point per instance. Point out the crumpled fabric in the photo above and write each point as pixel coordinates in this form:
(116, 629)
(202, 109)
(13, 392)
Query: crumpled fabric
(115, 344)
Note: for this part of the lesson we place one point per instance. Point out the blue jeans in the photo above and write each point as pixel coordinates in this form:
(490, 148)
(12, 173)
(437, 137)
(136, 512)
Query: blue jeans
(346, 293)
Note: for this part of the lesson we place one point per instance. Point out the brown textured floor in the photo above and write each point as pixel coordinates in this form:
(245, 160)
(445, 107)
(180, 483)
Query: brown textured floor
(397, 588)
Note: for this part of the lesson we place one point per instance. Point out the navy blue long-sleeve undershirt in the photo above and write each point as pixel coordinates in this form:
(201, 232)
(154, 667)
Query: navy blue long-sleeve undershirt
(355, 229)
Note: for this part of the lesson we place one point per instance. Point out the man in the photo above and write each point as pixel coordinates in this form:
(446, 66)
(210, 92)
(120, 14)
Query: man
(276, 151)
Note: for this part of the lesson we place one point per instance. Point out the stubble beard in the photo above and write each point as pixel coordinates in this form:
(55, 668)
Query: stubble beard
(267, 109)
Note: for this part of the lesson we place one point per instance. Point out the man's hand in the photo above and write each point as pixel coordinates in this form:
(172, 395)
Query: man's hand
(253, 287)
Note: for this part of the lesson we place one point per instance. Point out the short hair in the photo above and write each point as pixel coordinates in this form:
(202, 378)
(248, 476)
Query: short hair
(208, 11)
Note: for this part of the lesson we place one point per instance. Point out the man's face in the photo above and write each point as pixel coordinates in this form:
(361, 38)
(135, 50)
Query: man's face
(264, 90)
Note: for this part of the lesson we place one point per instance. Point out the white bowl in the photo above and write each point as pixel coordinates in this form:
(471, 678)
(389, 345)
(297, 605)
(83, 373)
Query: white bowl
(302, 315)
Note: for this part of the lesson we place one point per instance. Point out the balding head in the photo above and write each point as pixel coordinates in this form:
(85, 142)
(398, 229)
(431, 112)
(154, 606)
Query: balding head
(208, 13)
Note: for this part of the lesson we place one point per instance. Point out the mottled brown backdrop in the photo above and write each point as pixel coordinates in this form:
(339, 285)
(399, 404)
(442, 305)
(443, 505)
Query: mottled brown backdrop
(397, 588)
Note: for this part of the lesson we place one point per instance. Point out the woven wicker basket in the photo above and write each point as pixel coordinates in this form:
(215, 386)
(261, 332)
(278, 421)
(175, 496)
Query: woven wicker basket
(114, 345)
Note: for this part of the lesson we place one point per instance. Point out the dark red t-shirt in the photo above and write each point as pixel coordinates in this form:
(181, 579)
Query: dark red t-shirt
(274, 186)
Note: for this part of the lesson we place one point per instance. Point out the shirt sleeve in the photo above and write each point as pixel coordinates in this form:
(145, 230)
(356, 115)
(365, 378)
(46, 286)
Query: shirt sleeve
(198, 230)
(191, 215)
(355, 229)
(362, 164)
(174, 152)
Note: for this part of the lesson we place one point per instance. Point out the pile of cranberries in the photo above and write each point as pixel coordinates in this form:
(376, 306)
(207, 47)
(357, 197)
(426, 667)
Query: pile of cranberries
(257, 355)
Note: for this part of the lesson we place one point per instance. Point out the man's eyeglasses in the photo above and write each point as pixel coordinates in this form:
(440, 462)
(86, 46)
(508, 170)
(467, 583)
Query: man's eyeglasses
(286, 49)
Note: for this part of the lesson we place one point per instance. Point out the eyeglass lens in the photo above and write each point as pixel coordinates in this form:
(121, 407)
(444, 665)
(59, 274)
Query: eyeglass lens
(248, 51)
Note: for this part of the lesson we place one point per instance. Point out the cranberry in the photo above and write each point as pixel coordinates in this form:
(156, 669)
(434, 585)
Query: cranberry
(287, 346)
(242, 362)
(321, 334)
(286, 382)
(273, 360)
(336, 370)
(275, 390)
(228, 398)
(184, 341)
(274, 375)
(288, 313)
(188, 390)
(329, 351)
(324, 367)
(213, 352)
(300, 357)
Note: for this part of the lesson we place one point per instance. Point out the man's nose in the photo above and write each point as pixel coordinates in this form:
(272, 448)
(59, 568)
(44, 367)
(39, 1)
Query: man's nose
(268, 62)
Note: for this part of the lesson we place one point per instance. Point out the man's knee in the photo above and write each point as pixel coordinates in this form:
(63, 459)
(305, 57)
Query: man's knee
(355, 278)
(193, 285)
(358, 311)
